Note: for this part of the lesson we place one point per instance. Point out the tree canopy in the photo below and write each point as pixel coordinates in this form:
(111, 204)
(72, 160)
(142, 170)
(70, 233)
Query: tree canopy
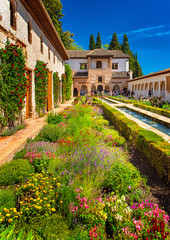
(114, 44)
(98, 41)
(92, 44)
(54, 9)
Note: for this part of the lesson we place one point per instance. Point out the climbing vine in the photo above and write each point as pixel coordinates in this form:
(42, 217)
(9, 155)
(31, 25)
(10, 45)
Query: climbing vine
(56, 87)
(41, 84)
(64, 87)
(13, 84)
(69, 81)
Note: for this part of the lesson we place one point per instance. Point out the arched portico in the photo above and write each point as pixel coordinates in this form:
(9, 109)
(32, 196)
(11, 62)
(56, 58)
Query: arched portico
(100, 88)
(83, 90)
(116, 89)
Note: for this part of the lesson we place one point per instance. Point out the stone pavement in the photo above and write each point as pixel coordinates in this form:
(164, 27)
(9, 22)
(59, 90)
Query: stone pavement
(12, 144)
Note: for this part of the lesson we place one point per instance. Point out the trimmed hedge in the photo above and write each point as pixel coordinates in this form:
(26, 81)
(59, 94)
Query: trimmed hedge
(122, 100)
(153, 109)
(154, 147)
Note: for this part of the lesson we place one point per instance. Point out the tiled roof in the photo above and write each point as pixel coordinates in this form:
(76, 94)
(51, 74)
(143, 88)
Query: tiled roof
(39, 13)
(78, 53)
(119, 54)
(120, 75)
(100, 52)
(96, 53)
(151, 74)
(81, 74)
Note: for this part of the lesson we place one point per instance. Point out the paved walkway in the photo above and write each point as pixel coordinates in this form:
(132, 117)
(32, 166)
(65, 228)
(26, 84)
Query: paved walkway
(140, 123)
(12, 144)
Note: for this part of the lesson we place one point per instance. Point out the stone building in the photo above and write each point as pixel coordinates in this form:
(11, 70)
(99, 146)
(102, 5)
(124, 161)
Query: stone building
(158, 83)
(28, 23)
(99, 70)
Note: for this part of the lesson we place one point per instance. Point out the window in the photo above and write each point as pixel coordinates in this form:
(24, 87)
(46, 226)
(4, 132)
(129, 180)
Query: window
(41, 44)
(48, 52)
(83, 66)
(99, 64)
(12, 15)
(114, 65)
(54, 57)
(99, 79)
(29, 33)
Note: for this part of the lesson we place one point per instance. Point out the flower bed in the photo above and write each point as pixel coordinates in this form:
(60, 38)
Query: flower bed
(83, 187)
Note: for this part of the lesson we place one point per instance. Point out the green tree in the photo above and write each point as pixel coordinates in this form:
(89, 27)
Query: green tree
(98, 41)
(114, 44)
(125, 45)
(92, 44)
(137, 70)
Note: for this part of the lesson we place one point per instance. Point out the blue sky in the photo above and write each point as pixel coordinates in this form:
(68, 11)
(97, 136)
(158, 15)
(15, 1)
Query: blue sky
(146, 22)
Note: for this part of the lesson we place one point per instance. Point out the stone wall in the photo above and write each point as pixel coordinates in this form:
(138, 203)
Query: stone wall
(33, 50)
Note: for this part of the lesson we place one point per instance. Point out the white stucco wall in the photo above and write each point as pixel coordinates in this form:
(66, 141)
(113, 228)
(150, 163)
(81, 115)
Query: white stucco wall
(75, 64)
(150, 80)
(33, 50)
(123, 65)
(94, 61)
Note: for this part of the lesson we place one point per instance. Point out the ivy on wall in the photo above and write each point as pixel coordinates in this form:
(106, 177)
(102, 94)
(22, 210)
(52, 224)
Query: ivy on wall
(56, 88)
(41, 85)
(64, 89)
(69, 81)
(13, 84)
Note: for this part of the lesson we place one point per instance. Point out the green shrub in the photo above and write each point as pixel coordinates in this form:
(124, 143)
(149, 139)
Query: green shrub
(15, 171)
(7, 199)
(121, 178)
(50, 133)
(54, 118)
(50, 228)
(20, 154)
(9, 132)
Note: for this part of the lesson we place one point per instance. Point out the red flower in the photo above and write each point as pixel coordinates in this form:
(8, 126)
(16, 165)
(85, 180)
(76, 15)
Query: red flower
(4, 51)
(12, 65)
(18, 74)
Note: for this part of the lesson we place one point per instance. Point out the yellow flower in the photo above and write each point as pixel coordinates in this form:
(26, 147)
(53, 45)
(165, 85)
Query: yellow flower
(8, 214)
(10, 220)
(47, 205)
(1, 219)
(61, 202)
(52, 209)
(58, 184)
(54, 179)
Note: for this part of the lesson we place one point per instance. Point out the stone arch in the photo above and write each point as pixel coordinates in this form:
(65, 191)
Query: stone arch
(146, 86)
(75, 93)
(162, 89)
(83, 90)
(100, 88)
(13, 15)
(93, 88)
(107, 88)
(99, 64)
(116, 89)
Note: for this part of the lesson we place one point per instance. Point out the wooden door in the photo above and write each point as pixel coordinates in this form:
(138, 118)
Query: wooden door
(49, 105)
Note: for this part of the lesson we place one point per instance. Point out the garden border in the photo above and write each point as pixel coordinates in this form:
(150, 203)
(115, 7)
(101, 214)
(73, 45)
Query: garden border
(156, 150)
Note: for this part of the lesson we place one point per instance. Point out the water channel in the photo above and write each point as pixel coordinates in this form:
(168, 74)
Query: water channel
(148, 121)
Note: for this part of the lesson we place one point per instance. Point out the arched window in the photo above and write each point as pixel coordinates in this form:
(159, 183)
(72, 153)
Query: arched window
(99, 64)
(41, 44)
(100, 79)
(12, 15)
(29, 33)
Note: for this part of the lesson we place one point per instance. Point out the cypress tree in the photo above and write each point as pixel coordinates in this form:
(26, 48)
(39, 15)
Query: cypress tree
(114, 44)
(125, 45)
(92, 44)
(98, 41)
